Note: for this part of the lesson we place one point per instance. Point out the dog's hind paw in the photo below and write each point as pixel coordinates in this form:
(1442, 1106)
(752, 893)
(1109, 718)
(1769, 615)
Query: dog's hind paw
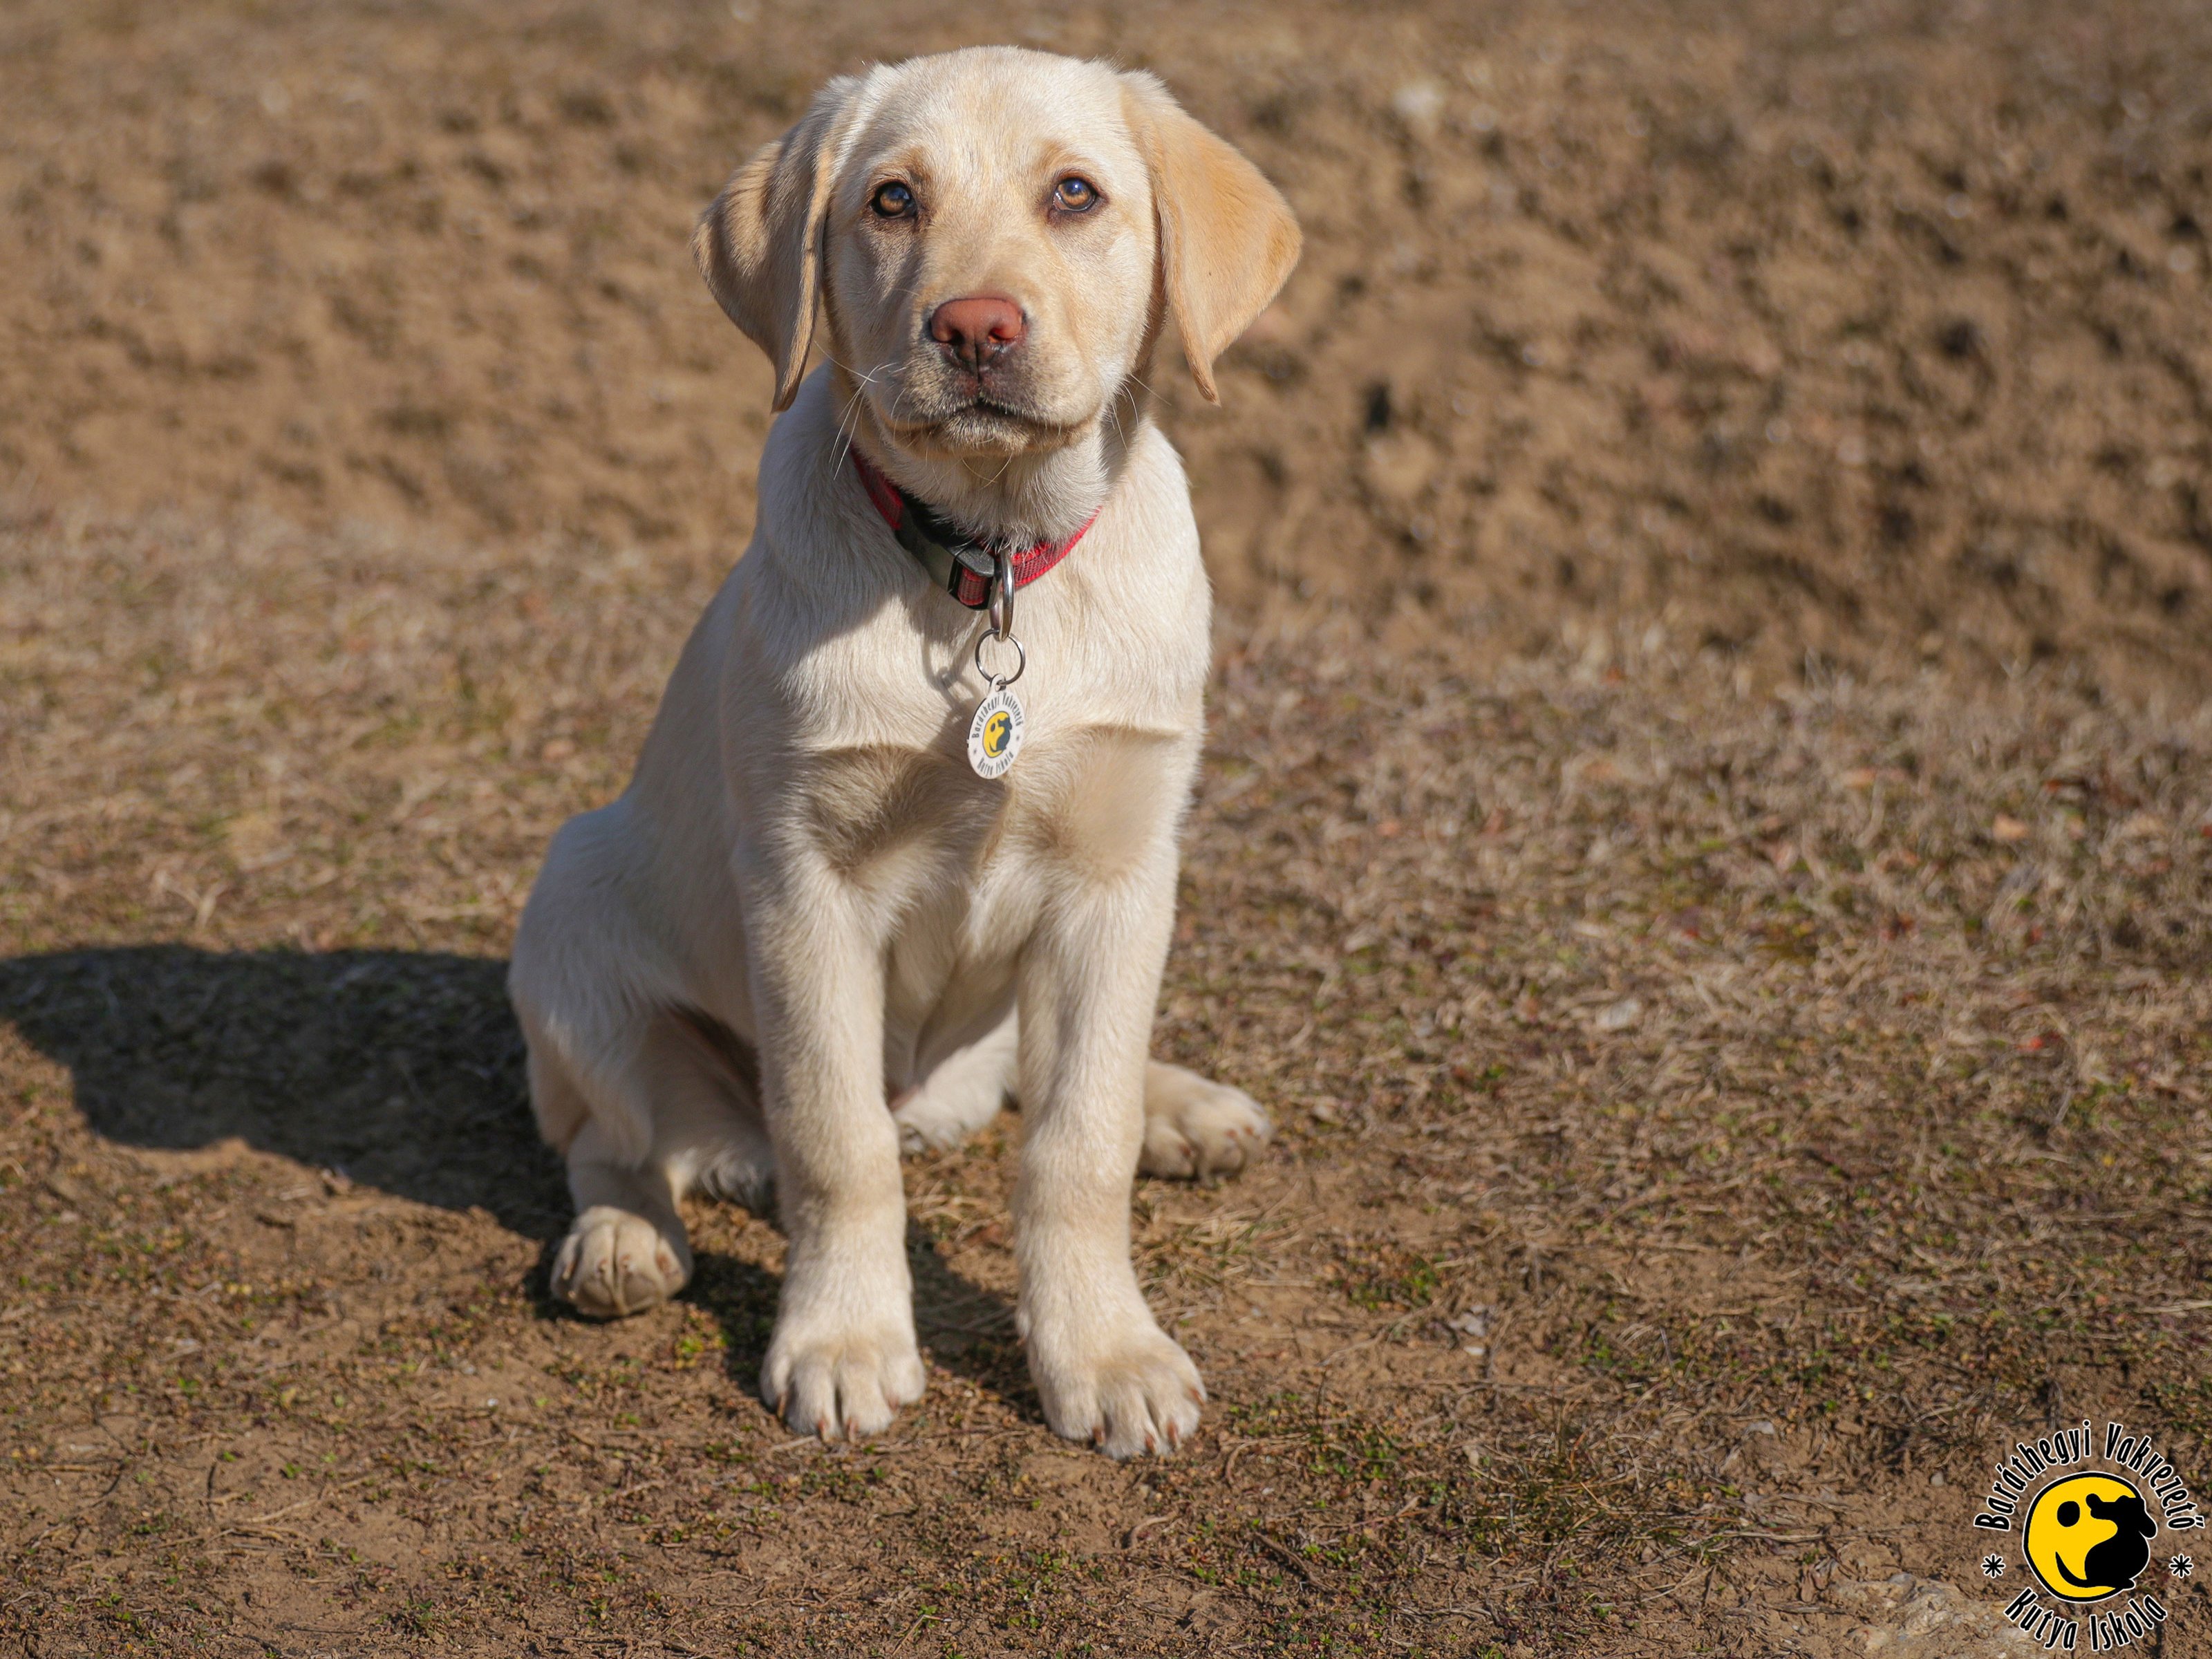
(614, 1263)
(1195, 1127)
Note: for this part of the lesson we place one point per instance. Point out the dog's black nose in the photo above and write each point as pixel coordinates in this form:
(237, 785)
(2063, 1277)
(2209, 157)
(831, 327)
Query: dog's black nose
(977, 327)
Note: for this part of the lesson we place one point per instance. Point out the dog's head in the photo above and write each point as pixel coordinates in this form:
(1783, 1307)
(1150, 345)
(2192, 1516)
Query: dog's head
(994, 238)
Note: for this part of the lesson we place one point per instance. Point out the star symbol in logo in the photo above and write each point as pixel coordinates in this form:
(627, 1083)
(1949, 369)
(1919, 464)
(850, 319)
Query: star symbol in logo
(2181, 1566)
(1993, 1566)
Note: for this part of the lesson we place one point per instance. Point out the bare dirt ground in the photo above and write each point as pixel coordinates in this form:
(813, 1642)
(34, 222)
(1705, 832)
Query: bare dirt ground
(1706, 845)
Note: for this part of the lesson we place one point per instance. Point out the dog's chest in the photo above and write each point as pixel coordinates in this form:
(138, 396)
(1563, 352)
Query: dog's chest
(916, 829)
(959, 869)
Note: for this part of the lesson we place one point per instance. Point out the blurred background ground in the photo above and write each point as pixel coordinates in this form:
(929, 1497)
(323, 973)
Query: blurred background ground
(1704, 846)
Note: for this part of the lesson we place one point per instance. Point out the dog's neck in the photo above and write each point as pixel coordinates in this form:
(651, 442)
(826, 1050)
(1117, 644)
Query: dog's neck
(1013, 500)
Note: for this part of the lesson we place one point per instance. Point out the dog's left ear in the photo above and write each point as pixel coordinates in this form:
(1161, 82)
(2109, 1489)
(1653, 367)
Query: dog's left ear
(1227, 239)
(759, 245)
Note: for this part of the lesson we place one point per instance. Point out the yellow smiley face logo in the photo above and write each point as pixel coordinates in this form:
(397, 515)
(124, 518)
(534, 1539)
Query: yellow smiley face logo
(996, 730)
(2087, 1536)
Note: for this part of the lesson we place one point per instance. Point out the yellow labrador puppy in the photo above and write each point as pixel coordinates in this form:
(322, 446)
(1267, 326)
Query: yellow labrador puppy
(902, 840)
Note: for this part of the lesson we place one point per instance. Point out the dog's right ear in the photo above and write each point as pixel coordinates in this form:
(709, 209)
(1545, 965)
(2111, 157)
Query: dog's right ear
(759, 245)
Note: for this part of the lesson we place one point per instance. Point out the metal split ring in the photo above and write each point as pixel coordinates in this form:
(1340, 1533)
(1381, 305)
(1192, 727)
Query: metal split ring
(1000, 683)
(1002, 624)
(1002, 596)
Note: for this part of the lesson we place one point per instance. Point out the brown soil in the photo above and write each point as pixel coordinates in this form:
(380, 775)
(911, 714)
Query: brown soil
(1864, 331)
(1743, 1059)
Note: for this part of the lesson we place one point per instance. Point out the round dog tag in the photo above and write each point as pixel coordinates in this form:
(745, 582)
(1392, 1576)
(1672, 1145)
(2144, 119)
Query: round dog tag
(994, 736)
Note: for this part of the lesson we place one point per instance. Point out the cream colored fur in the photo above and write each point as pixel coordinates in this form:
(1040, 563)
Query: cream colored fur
(807, 934)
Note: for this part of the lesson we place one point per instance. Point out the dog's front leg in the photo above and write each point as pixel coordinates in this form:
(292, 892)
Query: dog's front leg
(842, 1359)
(1105, 1370)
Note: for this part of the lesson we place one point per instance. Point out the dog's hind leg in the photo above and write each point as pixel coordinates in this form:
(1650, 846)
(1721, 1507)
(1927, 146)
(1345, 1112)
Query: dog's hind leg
(627, 1250)
(1195, 1127)
(962, 1093)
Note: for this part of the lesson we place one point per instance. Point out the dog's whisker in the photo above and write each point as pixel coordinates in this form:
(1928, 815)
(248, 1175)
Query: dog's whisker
(852, 411)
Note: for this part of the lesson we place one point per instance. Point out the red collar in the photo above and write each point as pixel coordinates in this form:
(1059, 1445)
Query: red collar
(958, 563)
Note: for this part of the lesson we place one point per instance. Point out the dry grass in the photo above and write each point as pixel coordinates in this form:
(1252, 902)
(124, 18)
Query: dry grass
(1724, 1096)
(1706, 1117)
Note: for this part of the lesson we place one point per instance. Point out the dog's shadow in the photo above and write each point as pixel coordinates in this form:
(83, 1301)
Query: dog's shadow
(400, 1070)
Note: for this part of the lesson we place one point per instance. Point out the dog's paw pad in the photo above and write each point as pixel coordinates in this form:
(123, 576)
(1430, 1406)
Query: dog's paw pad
(1194, 1128)
(613, 1263)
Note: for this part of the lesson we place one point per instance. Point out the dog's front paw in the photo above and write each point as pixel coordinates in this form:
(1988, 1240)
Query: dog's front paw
(614, 1263)
(828, 1379)
(1196, 1128)
(1130, 1391)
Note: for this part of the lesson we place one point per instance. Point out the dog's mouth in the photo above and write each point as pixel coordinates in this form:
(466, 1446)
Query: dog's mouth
(983, 418)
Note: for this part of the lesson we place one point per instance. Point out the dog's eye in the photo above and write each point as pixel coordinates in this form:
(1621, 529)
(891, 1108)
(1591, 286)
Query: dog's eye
(1075, 194)
(892, 201)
